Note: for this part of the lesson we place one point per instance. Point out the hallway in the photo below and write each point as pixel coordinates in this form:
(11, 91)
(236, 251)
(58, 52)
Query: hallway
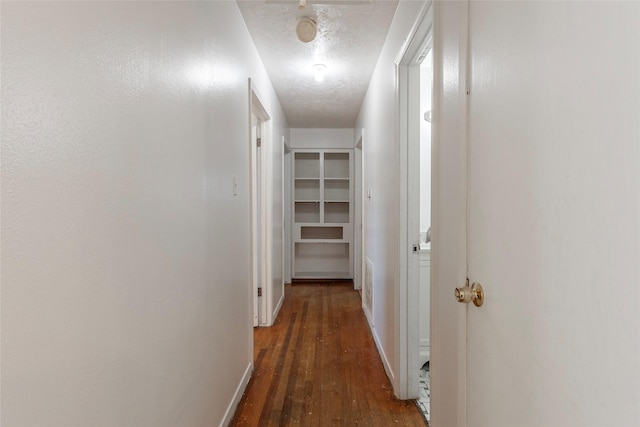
(137, 225)
(318, 366)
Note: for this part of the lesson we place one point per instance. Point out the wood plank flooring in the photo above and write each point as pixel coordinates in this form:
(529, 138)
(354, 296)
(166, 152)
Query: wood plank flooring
(318, 366)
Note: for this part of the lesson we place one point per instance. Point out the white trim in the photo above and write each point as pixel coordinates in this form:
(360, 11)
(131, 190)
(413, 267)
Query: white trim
(278, 307)
(267, 209)
(408, 95)
(385, 361)
(253, 264)
(237, 396)
(287, 198)
(358, 248)
(263, 212)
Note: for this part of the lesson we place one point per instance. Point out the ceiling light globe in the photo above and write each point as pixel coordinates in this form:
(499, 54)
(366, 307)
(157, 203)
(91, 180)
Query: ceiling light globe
(319, 71)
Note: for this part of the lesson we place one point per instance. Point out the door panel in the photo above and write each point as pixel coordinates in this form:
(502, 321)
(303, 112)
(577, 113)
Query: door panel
(554, 214)
(448, 249)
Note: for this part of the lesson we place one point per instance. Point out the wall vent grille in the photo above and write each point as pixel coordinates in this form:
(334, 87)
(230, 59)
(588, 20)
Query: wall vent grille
(367, 292)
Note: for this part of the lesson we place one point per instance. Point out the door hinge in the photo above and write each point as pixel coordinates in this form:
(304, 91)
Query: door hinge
(259, 292)
(259, 142)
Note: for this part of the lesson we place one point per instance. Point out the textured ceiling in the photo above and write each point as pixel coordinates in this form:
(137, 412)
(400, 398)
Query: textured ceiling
(350, 37)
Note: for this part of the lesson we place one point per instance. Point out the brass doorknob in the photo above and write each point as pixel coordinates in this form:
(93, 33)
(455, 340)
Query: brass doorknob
(467, 294)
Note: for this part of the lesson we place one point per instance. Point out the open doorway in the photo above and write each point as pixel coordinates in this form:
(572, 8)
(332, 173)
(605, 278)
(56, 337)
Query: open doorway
(286, 211)
(415, 82)
(358, 248)
(424, 275)
(260, 219)
(257, 221)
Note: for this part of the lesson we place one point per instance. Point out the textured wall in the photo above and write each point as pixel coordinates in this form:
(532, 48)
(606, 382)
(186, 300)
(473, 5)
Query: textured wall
(381, 164)
(125, 260)
(321, 138)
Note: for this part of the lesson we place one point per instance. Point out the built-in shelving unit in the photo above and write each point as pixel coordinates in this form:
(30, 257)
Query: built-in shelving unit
(322, 214)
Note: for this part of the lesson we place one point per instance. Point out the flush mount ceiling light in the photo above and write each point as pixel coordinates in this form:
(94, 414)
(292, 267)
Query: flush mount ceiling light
(319, 70)
(306, 29)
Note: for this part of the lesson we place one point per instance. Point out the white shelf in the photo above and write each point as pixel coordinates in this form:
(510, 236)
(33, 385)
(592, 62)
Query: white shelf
(336, 165)
(324, 274)
(322, 232)
(321, 256)
(307, 165)
(306, 189)
(307, 212)
(337, 190)
(336, 212)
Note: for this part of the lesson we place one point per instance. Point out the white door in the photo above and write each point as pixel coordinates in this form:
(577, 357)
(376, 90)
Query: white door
(554, 214)
(448, 217)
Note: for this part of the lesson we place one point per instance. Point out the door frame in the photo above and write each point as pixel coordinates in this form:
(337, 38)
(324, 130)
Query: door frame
(286, 211)
(261, 216)
(449, 215)
(408, 83)
(358, 239)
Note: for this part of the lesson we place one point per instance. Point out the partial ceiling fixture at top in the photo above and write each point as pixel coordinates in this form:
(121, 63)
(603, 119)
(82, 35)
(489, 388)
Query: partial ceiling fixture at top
(302, 3)
(306, 29)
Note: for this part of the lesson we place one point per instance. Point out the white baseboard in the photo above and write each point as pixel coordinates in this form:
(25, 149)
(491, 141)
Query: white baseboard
(368, 315)
(383, 356)
(277, 310)
(233, 405)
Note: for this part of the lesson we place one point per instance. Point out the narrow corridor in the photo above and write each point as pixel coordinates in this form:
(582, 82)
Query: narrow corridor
(318, 366)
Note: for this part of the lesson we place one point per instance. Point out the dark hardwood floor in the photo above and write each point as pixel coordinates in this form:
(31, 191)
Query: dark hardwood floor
(318, 366)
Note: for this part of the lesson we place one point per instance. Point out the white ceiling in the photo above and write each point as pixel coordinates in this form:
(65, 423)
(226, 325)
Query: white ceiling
(350, 36)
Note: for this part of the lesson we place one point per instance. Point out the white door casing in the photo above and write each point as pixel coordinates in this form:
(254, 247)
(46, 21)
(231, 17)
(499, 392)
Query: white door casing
(261, 214)
(286, 211)
(358, 276)
(449, 212)
(256, 231)
(408, 84)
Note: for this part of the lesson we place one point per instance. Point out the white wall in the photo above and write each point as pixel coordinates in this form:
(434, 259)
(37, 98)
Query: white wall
(321, 138)
(377, 118)
(125, 256)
